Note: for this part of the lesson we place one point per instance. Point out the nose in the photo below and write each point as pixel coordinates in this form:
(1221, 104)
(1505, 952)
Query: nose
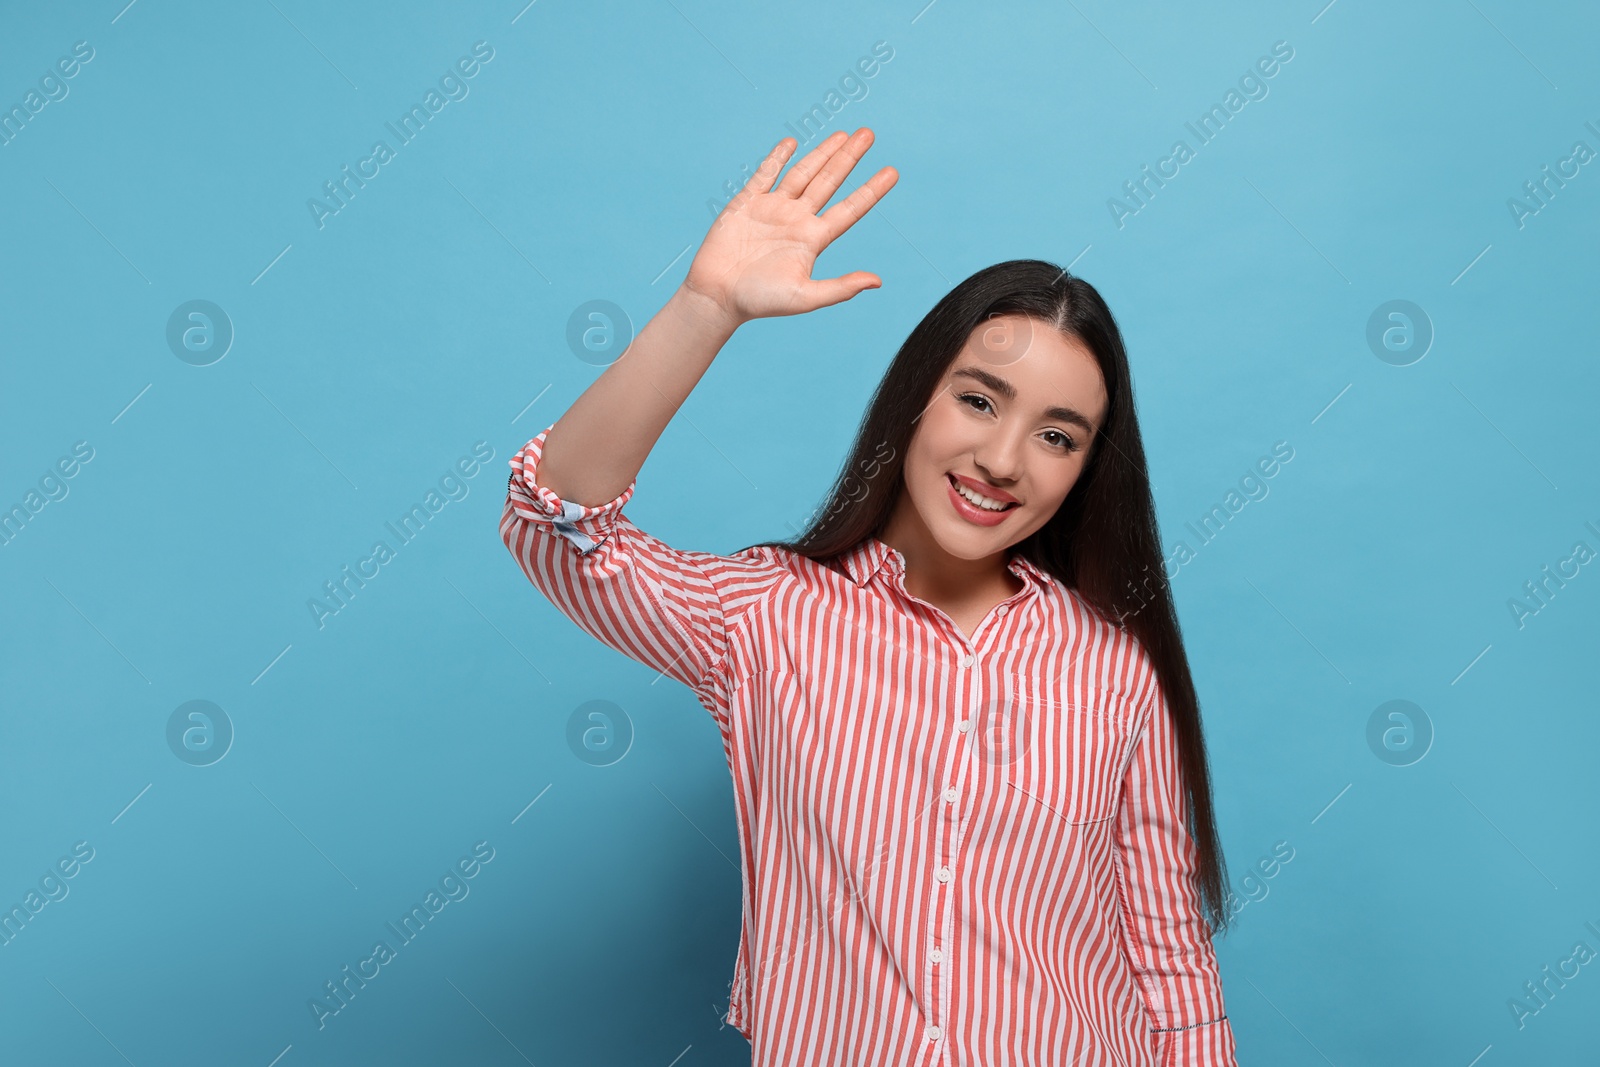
(999, 458)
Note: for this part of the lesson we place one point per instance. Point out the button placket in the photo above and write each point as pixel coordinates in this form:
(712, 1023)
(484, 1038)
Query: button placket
(941, 915)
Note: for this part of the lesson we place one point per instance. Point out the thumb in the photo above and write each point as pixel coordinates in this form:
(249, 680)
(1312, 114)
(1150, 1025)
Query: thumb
(827, 291)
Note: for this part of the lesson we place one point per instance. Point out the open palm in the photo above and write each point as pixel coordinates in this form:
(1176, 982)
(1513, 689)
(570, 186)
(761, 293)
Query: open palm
(758, 257)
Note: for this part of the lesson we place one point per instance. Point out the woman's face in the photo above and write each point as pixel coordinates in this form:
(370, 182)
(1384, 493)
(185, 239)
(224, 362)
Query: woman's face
(1013, 420)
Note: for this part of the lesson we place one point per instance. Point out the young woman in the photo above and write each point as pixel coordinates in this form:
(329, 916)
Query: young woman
(970, 781)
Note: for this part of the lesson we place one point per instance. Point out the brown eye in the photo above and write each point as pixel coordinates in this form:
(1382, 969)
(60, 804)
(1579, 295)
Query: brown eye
(1066, 442)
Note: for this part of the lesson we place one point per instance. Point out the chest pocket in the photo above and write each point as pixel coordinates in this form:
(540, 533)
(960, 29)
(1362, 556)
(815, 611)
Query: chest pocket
(1066, 752)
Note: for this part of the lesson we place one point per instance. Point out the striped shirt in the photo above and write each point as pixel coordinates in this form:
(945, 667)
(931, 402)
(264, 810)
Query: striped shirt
(954, 850)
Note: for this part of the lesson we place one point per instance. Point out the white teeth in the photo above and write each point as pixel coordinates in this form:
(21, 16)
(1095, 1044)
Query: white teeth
(979, 501)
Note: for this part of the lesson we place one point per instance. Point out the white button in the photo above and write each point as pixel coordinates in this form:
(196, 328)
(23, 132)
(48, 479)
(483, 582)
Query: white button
(963, 726)
(968, 660)
(950, 795)
(943, 874)
(936, 956)
(933, 1033)
(1004, 608)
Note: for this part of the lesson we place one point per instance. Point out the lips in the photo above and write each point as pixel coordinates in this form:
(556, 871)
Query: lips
(971, 512)
(999, 496)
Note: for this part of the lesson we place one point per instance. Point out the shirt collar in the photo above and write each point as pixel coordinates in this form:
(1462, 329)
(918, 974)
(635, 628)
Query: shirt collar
(872, 555)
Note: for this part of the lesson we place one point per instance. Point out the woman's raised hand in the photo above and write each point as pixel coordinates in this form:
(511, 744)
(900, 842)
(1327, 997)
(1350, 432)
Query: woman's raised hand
(758, 257)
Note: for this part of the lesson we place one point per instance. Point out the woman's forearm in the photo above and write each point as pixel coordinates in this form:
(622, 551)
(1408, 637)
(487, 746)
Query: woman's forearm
(597, 448)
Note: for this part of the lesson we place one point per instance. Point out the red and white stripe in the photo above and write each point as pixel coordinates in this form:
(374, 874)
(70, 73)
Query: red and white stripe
(954, 850)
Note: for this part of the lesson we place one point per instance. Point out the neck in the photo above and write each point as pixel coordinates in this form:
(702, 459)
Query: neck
(935, 575)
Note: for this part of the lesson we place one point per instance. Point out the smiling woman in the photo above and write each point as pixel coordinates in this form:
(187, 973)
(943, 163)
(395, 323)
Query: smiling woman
(1005, 436)
(971, 790)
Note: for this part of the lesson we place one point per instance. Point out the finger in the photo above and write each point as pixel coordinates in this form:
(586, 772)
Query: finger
(767, 173)
(832, 175)
(761, 181)
(827, 291)
(847, 212)
(794, 183)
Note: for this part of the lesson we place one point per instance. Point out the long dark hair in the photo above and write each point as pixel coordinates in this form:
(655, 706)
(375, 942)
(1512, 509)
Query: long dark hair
(1102, 542)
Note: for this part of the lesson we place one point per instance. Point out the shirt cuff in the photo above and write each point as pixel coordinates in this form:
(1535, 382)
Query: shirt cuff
(586, 526)
(1209, 1043)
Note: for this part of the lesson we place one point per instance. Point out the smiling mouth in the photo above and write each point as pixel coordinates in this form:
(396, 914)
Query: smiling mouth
(981, 502)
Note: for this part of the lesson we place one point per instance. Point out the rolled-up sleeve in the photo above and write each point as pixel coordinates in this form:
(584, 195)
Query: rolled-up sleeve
(1166, 936)
(669, 609)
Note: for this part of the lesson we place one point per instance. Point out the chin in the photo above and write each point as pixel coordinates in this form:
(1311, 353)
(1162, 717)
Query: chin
(967, 542)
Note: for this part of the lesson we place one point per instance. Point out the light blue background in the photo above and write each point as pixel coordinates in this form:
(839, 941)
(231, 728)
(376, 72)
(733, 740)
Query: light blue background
(370, 354)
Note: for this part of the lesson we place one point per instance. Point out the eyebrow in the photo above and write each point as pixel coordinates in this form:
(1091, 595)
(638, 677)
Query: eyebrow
(1009, 391)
